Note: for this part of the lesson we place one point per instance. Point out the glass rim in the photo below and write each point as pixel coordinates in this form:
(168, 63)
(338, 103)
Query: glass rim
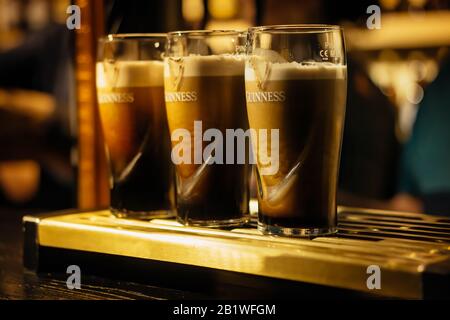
(133, 36)
(295, 28)
(196, 33)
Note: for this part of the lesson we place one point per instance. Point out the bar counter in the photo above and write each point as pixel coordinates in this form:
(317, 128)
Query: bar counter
(16, 283)
(160, 259)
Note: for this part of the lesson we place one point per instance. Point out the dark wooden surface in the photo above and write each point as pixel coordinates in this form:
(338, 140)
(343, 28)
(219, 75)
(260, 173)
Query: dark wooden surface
(17, 283)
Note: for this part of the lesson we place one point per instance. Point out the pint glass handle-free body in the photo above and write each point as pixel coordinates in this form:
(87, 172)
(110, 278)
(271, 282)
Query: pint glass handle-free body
(296, 83)
(205, 99)
(130, 90)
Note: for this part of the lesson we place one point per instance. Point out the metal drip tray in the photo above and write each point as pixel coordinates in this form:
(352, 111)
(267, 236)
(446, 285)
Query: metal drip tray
(412, 251)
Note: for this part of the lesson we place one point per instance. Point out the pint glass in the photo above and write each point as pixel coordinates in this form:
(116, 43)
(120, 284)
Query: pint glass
(295, 79)
(205, 100)
(130, 90)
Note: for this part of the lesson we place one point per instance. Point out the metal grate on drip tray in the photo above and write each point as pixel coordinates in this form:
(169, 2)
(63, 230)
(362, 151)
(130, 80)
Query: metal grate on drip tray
(379, 225)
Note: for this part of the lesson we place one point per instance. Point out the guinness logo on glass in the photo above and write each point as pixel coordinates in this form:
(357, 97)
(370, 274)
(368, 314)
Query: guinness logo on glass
(111, 72)
(119, 97)
(262, 70)
(266, 96)
(176, 70)
(188, 96)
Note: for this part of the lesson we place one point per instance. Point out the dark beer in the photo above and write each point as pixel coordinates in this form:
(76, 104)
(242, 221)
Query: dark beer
(209, 89)
(132, 112)
(306, 103)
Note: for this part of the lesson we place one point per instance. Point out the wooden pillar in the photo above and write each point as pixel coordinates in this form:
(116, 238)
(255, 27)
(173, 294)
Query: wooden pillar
(92, 169)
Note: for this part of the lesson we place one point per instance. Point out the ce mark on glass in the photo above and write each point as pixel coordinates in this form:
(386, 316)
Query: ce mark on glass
(327, 53)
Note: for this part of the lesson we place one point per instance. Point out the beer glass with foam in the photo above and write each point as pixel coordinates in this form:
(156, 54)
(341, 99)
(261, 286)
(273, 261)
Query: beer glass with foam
(205, 100)
(295, 78)
(130, 92)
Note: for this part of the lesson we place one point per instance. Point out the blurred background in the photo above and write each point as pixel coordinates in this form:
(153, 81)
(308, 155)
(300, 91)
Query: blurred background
(395, 152)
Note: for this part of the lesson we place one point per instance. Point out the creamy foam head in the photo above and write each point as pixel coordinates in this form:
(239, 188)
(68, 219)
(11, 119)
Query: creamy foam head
(258, 69)
(130, 74)
(213, 65)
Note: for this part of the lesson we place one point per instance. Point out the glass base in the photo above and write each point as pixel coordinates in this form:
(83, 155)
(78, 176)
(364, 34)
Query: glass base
(295, 232)
(214, 223)
(142, 215)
